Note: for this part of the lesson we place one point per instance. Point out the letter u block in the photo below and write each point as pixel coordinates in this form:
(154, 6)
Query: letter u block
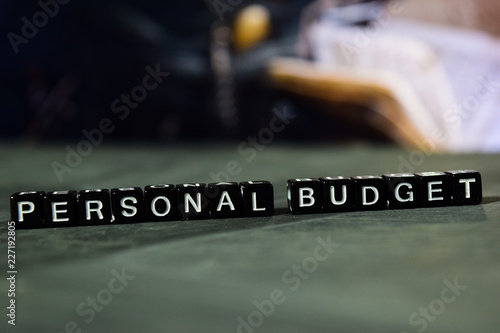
(338, 194)
(304, 196)
(370, 193)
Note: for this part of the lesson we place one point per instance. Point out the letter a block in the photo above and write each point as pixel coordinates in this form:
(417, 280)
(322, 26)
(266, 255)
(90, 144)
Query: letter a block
(26, 209)
(466, 187)
(404, 190)
(60, 209)
(435, 189)
(370, 192)
(304, 196)
(128, 204)
(192, 201)
(225, 200)
(258, 198)
(94, 207)
(160, 202)
(338, 194)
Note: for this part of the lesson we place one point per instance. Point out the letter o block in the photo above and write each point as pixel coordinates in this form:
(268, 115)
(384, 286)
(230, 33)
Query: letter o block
(160, 202)
(304, 196)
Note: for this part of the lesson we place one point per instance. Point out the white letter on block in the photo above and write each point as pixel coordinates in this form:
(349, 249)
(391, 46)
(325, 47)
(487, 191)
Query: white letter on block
(303, 196)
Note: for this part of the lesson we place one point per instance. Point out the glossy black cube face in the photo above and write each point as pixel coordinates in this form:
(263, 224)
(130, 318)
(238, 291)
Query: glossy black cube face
(60, 209)
(127, 204)
(404, 190)
(338, 194)
(160, 202)
(466, 187)
(192, 201)
(370, 193)
(26, 209)
(225, 200)
(94, 207)
(258, 198)
(435, 189)
(304, 196)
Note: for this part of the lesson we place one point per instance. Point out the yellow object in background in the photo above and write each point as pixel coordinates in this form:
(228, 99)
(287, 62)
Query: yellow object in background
(251, 25)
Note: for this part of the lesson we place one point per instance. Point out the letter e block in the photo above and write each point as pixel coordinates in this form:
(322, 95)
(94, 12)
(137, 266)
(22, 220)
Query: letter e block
(435, 189)
(61, 209)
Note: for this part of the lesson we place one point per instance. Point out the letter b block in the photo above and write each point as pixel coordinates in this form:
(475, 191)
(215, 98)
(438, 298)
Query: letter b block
(304, 196)
(370, 192)
(404, 190)
(60, 209)
(225, 200)
(192, 201)
(160, 202)
(94, 207)
(128, 204)
(435, 189)
(258, 198)
(26, 209)
(466, 187)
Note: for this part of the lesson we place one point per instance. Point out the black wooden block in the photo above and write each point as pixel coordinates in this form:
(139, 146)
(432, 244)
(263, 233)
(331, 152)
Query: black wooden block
(304, 195)
(225, 200)
(338, 194)
(258, 198)
(127, 204)
(370, 192)
(435, 189)
(466, 187)
(404, 190)
(60, 209)
(94, 207)
(160, 202)
(192, 201)
(26, 209)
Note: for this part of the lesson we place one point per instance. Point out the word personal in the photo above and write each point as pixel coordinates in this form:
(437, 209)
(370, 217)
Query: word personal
(390, 191)
(130, 205)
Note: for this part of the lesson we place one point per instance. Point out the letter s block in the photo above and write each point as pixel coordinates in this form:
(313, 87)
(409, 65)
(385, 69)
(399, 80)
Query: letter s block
(127, 204)
(26, 209)
(304, 196)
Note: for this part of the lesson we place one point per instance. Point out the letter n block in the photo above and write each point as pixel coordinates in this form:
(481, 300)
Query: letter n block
(94, 207)
(258, 198)
(370, 192)
(304, 196)
(26, 209)
(192, 201)
(466, 187)
(60, 209)
(404, 190)
(435, 189)
(160, 202)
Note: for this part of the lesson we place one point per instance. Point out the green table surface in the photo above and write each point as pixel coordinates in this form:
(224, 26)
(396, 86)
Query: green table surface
(387, 267)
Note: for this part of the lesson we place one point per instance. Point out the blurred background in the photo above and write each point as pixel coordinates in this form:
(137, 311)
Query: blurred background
(422, 74)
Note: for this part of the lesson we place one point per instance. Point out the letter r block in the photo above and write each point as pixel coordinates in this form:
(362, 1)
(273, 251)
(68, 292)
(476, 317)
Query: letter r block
(94, 207)
(258, 198)
(404, 190)
(435, 189)
(370, 193)
(304, 196)
(338, 194)
(160, 202)
(60, 209)
(466, 187)
(26, 209)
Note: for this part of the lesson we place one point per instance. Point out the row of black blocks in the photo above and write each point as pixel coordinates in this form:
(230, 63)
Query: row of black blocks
(389, 191)
(131, 205)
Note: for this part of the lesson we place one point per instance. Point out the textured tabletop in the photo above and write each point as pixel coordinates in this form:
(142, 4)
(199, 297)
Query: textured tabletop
(432, 270)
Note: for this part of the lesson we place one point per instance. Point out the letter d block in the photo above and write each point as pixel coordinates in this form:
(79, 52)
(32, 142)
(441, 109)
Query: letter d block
(304, 196)
(127, 204)
(225, 200)
(338, 194)
(435, 189)
(370, 192)
(26, 209)
(258, 198)
(466, 187)
(60, 209)
(94, 207)
(192, 201)
(161, 202)
(404, 190)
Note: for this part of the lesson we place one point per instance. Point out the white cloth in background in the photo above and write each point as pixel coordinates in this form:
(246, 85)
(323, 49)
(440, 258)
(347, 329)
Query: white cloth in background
(452, 76)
